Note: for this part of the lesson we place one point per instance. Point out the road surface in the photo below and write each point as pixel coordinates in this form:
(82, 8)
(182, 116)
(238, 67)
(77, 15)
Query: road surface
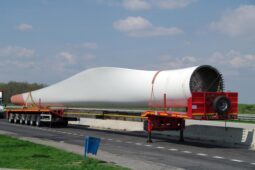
(162, 153)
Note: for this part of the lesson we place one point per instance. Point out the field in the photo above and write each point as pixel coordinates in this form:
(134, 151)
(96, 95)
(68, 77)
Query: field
(20, 154)
(246, 108)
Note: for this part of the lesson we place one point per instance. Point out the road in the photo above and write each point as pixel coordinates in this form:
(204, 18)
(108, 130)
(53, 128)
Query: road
(165, 153)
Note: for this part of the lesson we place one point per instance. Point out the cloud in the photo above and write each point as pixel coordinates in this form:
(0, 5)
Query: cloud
(24, 27)
(169, 62)
(141, 5)
(17, 62)
(140, 27)
(15, 51)
(66, 57)
(236, 22)
(232, 60)
(132, 24)
(136, 5)
(157, 31)
(173, 4)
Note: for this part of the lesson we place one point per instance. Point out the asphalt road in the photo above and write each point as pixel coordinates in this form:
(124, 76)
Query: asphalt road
(163, 152)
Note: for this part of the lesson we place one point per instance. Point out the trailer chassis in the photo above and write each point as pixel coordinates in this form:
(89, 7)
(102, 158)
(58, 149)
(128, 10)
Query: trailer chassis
(200, 106)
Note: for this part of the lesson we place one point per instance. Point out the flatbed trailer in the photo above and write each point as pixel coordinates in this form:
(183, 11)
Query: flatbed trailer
(200, 106)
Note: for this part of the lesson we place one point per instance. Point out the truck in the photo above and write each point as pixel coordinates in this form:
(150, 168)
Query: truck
(175, 95)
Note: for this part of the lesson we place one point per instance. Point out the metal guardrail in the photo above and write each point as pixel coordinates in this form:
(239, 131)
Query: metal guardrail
(246, 117)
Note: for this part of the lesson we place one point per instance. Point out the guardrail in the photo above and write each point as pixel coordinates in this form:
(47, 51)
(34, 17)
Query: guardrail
(246, 117)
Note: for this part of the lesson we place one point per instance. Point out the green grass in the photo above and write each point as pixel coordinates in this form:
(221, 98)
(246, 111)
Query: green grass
(239, 121)
(246, 108)
(20, 154)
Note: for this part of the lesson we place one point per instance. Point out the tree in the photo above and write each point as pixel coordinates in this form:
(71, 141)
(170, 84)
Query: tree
(12, 88)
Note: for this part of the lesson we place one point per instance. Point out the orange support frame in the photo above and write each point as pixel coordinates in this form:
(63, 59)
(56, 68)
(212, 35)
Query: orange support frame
(199, 107)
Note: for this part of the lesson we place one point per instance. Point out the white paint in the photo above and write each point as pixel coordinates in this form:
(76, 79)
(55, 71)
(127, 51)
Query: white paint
(186, 151)
(160, 147)
(173, 149)
(218, 157)
(148, 145)
(201, 154)
(236, 160)
(138, 143)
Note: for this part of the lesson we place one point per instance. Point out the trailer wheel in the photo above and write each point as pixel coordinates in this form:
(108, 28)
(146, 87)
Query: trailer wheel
(221, 105)
(10, 118)
(21, 121)
(16, 118)
(27, 120)
(31, 122)
(38, 121)
(65, 123)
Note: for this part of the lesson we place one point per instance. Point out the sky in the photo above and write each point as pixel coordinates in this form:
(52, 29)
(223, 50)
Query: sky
(46, 41)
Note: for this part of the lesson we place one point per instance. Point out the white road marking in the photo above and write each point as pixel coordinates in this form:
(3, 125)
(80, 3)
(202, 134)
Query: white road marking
(201, 154)
(253, 163)
(173, 149)
(236, 160)
(109, 139)
(218, 157)
(160, 147)
(69, 133)
(138, 143)
(148, 145)
(129, 142)
(186, 152)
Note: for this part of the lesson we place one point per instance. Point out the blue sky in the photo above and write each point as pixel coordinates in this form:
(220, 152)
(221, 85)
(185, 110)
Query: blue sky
(46, 41)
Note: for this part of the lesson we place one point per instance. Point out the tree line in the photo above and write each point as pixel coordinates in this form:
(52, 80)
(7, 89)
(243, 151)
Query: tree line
(12, 88)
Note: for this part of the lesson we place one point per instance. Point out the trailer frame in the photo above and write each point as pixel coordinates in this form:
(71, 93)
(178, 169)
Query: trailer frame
(200, 106)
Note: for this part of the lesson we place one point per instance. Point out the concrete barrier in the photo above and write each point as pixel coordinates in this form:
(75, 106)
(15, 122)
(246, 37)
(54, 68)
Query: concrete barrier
(202, 131)
(230, 136)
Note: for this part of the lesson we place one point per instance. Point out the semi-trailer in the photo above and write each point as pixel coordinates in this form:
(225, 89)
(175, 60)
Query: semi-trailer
(118, 93)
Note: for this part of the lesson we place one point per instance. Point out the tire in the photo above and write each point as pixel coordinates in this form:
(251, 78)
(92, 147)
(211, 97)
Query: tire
(32, 122)
(38, 121)
(221, 105)
(21, 120)
(10, 118)
(16, 119)
(65, 123)
(27, 121)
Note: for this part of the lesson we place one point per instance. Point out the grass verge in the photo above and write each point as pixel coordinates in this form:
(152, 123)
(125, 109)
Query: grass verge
(20, 154)
(240, 121)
